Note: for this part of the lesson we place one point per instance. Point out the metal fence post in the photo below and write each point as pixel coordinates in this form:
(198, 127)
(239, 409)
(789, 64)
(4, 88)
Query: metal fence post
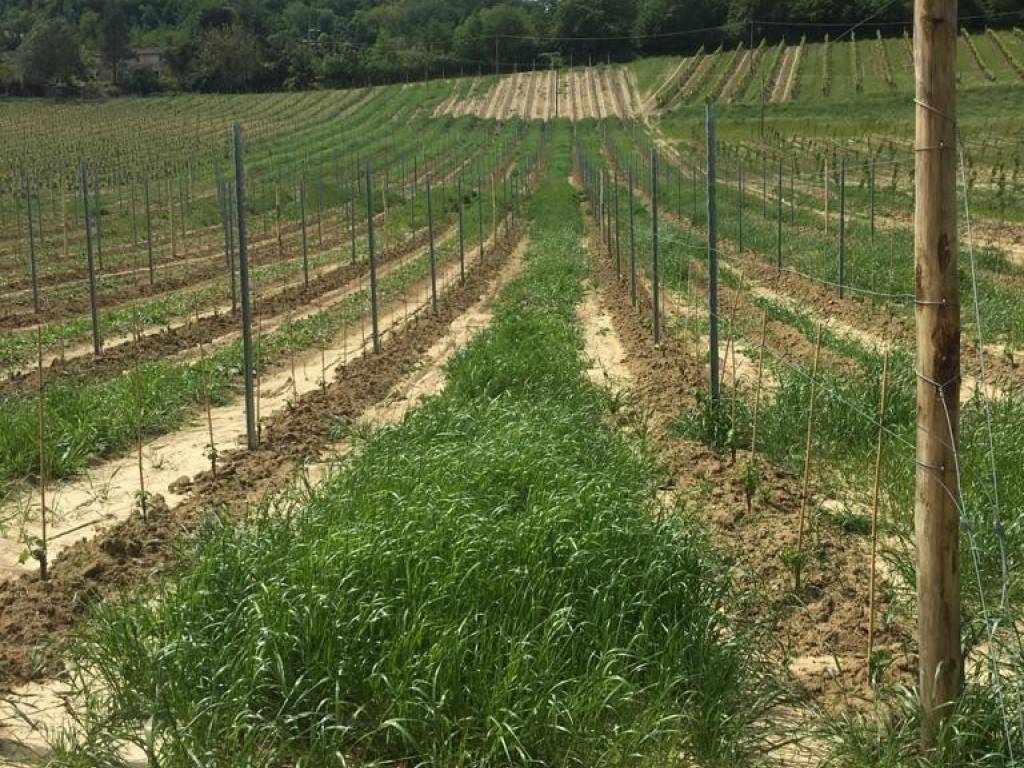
(243, 268)
(712, 259)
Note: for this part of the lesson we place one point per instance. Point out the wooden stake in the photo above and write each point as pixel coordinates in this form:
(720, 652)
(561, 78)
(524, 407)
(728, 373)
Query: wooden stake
(874, 506)
(937, 494)
(807, 444)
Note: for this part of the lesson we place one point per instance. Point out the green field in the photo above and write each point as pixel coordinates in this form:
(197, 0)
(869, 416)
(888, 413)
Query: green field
(514, 528)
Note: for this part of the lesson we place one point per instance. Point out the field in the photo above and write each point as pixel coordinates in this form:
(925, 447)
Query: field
(492, 512)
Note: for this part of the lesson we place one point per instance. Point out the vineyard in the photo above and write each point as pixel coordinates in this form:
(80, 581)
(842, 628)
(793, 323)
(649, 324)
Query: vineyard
(553, 418)
(863, 63)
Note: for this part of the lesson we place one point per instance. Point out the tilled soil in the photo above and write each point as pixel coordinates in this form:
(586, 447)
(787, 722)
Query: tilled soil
(820, 632)
(37, 618)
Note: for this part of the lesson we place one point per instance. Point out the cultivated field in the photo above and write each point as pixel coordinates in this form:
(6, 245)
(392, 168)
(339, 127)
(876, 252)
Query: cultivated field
(494, 515)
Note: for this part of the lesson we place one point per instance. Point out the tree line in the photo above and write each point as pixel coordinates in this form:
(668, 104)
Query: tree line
(258, 45)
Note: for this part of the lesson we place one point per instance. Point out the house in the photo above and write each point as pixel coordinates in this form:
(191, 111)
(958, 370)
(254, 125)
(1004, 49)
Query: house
(147, 58)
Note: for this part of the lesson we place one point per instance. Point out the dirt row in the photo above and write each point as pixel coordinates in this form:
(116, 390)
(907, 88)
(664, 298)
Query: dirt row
(787, 70)
(36, 617)
(819, 632)
(588, 92)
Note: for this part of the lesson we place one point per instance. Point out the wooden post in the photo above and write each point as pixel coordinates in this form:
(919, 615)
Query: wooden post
(936, 517)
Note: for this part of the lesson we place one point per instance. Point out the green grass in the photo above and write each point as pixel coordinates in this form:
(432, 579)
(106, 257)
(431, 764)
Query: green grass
(651, 73)
(485, 584)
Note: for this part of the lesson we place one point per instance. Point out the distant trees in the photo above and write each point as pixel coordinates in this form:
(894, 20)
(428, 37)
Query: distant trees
(504, 33)
(49, 55)
(593, 28)
(239, 45)
(659, 24)
(226, 59)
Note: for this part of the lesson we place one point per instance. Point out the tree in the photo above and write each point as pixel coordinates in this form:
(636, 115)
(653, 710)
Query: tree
(659, 21)
(511, 26)
(594, 28)
(49, 55)
(227, 59)
(112, 32)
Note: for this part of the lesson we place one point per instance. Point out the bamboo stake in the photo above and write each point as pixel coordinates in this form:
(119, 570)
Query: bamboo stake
(277, 220)
(170, 208)
(320, 338)
(64, 219)
(826, 195)
(206, 400)
(42, 555)
(874, 506)
(143, 507)
(757, 390)
(690, 315)
(259, 371)
(291, 354)
(807, 444)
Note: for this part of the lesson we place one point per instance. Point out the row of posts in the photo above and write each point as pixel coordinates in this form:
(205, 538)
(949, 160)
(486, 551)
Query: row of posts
(602, 187)
(512, 192)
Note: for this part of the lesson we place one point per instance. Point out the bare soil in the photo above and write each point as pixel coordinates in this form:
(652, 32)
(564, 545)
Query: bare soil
(827, 617)
(786, 70)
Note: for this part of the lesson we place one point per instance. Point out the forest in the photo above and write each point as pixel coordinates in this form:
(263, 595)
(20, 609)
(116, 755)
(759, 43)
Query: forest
(88, 46)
